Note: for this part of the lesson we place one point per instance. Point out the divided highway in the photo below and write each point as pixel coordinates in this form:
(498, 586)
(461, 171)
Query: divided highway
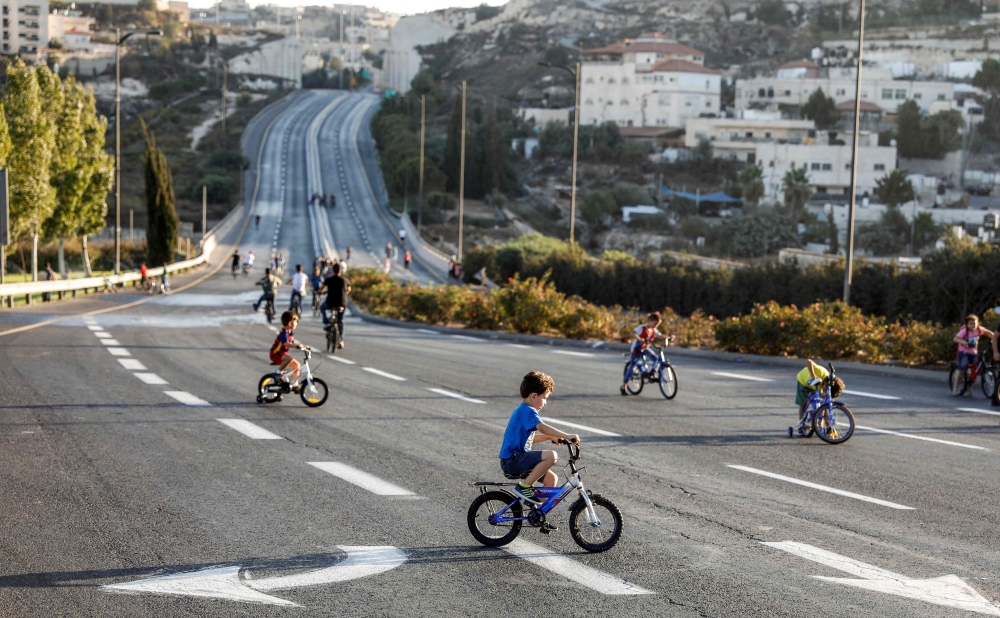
(138, 477)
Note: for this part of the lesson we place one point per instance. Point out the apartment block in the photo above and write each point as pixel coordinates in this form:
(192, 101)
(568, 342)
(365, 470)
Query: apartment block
(25, 27)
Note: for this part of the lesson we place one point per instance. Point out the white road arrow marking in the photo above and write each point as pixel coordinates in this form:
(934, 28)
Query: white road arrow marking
(224, 582)
(947, 590)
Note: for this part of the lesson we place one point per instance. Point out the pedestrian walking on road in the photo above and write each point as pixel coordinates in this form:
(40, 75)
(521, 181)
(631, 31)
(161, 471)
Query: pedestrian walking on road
(256, 222)
(347, 256)
(407, 258)
(50, 275)
(402, 236)
(388, 250)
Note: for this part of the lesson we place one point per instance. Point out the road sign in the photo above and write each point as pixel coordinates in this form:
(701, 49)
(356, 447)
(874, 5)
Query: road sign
(223, 582)
(947, 590)
(390, 93)
(365, 73)
(4, 210)
(354, 81)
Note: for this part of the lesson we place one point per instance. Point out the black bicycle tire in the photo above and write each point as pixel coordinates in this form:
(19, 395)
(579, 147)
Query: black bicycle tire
(326, 393)
(628, 382)
(332, 338)
(987, 391)
(515, 511)
(271, 397)
(952, 377)
(574, 525)
(669, 368)
(843, 410)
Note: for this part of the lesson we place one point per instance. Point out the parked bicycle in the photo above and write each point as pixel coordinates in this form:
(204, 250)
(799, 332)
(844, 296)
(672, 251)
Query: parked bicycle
(496, 516)
(831, 420)
(273, 386)
(982, 368)
(652, 366)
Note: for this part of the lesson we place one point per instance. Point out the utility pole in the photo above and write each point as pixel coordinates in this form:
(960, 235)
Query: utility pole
(849, 262)
(420, 204)
(204, 210)
(118, 151)
(131, 238)
(340, 73)
(461, 180)
(576, 140)
(225, 78)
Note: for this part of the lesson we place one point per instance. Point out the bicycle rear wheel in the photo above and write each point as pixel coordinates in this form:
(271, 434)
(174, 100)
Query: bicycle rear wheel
(668, 381)
(491, 503)
(633, 380)
(594, 536)
(834, 423)
(961, 376)
(332, 338)
(807, 428)
(265, 394)
(987, 381)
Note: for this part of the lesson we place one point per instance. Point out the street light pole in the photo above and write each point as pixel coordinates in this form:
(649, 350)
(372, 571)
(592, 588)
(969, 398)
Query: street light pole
(461, 180)
(849, 262)
(420, 204)
(576, 140)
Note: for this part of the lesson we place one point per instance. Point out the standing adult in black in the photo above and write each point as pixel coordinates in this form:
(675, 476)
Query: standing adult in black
(337, 289)
(995, 399)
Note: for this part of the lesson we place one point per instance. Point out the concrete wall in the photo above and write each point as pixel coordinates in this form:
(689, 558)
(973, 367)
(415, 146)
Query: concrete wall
(951, 165)
(282, 59)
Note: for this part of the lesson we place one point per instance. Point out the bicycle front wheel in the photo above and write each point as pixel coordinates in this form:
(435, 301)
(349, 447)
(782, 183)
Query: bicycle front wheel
(987, 382)
(668, 381)
(314, 395)
(600, 535)
(834, 423)
(491, 503)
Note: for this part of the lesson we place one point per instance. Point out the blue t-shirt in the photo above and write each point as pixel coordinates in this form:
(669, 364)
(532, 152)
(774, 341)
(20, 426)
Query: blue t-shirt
(317, 281)
(520, 430)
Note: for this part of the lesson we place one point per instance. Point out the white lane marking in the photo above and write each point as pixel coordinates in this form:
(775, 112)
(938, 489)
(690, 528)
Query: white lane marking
(559, 564)
(441, 391)
(839, 492)
(273, 329)
(362, 479)
(247, 428)
(871, 395)
(909, 435)
(95, 328)
(978, 411)
(599, 432)
(947, 590)
(519, 346)
(132, 364)
(103, 334)
(467, 338)
(89, 320)
(110, 342)
(187, 398)
(341, 360)
(428, 331)
(379, 372)
(119, 352)
(150, 378)
(224, 582)
(740, 376)
(568, 353)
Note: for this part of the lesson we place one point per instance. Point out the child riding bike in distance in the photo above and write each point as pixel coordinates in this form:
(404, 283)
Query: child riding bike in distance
(643, 335)
(524, 429)
(810, 379)
(968, 340)
(285, 340)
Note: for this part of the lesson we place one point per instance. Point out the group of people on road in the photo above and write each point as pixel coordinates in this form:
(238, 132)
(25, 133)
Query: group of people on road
(321, 199)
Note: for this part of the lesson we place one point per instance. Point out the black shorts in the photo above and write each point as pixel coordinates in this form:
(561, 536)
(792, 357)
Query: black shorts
(521, 463)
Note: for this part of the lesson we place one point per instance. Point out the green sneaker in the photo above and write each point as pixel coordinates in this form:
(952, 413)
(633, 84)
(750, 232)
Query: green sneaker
(526, 493)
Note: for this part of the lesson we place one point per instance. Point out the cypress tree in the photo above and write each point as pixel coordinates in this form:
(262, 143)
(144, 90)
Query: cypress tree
(453, 148)
(161, 226)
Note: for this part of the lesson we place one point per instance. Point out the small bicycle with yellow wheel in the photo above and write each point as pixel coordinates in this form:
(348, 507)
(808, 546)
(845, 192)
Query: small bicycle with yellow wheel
(313, 391)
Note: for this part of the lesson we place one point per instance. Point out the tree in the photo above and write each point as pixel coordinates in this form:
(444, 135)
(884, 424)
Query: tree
(925, 232)
(772, 12)
(833, 232)
(557, 55)
(751, 183)
(489, 158)
(597, 208)
(930, 137)
(32, 138)
(146, 5)
(909, 137)
(797, 190)
(453, 147)
(161, 219)
(821, 109)
(886, 237)
(759, 231)
(894, 189)
(987, 78)
(703, 151)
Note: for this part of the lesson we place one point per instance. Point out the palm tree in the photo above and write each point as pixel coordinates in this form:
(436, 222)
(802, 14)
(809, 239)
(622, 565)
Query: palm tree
(751, 181)
(894, 189)
(797, 190)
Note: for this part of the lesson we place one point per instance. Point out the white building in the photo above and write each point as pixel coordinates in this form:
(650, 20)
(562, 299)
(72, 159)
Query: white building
(647, 82)
(25, 27)
(788, 94)
(402, 60)
(737, 138)
(70, 20)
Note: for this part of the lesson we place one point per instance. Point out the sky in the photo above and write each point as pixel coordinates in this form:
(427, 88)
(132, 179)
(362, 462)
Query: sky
(406, 7)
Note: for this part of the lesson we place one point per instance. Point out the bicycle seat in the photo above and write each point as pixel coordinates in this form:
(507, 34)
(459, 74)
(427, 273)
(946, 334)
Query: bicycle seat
(517, 477)
(274, 364)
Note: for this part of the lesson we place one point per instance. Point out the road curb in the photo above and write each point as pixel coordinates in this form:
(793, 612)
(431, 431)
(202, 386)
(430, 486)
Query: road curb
(730, 357)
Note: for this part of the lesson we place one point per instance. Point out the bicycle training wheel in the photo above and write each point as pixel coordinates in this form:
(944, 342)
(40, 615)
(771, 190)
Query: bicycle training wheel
(834, 423)
(314, 395)
(264, 392)
(491, 503)
(633, 381)
(597, 536)
(807, 429)
(987, 382)
(668, 381)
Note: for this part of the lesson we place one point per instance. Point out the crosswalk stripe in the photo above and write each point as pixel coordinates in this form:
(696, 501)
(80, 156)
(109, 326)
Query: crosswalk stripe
(559, 564)
(132, 364)
(150, 378)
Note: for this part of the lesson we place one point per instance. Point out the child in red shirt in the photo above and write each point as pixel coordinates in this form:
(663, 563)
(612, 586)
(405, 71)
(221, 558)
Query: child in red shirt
(282, 343)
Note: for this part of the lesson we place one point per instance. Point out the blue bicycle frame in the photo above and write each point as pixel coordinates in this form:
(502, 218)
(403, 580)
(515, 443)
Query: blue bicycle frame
(555, 495)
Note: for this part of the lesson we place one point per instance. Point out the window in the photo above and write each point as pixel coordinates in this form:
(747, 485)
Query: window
(900, 94)
(847, 166)
(708, 102)
(691, 101)
(942, 97)
(788, 93)
(590, 80)
(815, 167)
(918, 96)
(827, 167)
(880, 167)
(864, 94)
(749, 134)
(611, 80)
(770, 93)
(761, 93)
(751, 158)
(841, 92)
(624, 80)
(708, 84)
(664, 100)
(739, 93)
(886, 93)
(700, 135)
(734, 135)
(767, 135)
(589, 102)
(624, 101)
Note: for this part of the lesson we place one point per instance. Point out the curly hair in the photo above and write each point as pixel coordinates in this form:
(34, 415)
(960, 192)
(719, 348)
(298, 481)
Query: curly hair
(837, 387)
(538, 383)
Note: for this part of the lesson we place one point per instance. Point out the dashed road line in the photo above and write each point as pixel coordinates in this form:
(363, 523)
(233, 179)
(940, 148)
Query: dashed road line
(839, 492)
(740, 376)
(519, 346)
(110, 342)
(559, 564)
(467, 338)
(119, 352)
(384, 374)
(340, 360)
(870, 395)
(568, 353)
(926, 439)
(599, 432)
(978, 411)
(150, 378)
(428, 331)
(441, 391)
(187, 398)
(95, 328)
(248, 429)
(362, 479)
(132, 364)
(103, 334)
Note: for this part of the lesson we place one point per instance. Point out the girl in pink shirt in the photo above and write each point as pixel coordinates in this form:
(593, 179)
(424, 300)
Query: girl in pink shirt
(967, 340)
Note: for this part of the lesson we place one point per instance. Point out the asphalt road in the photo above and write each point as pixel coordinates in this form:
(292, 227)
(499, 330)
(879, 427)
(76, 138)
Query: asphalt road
(116, 469)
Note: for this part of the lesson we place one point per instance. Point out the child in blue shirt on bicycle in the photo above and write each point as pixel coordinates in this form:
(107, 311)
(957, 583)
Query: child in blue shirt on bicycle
(524, 429)
(810, 379)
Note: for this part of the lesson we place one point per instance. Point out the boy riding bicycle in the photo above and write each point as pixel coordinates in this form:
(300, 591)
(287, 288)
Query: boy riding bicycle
(811, 379)
(643, 335)
(524, 429)
(285, 340)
